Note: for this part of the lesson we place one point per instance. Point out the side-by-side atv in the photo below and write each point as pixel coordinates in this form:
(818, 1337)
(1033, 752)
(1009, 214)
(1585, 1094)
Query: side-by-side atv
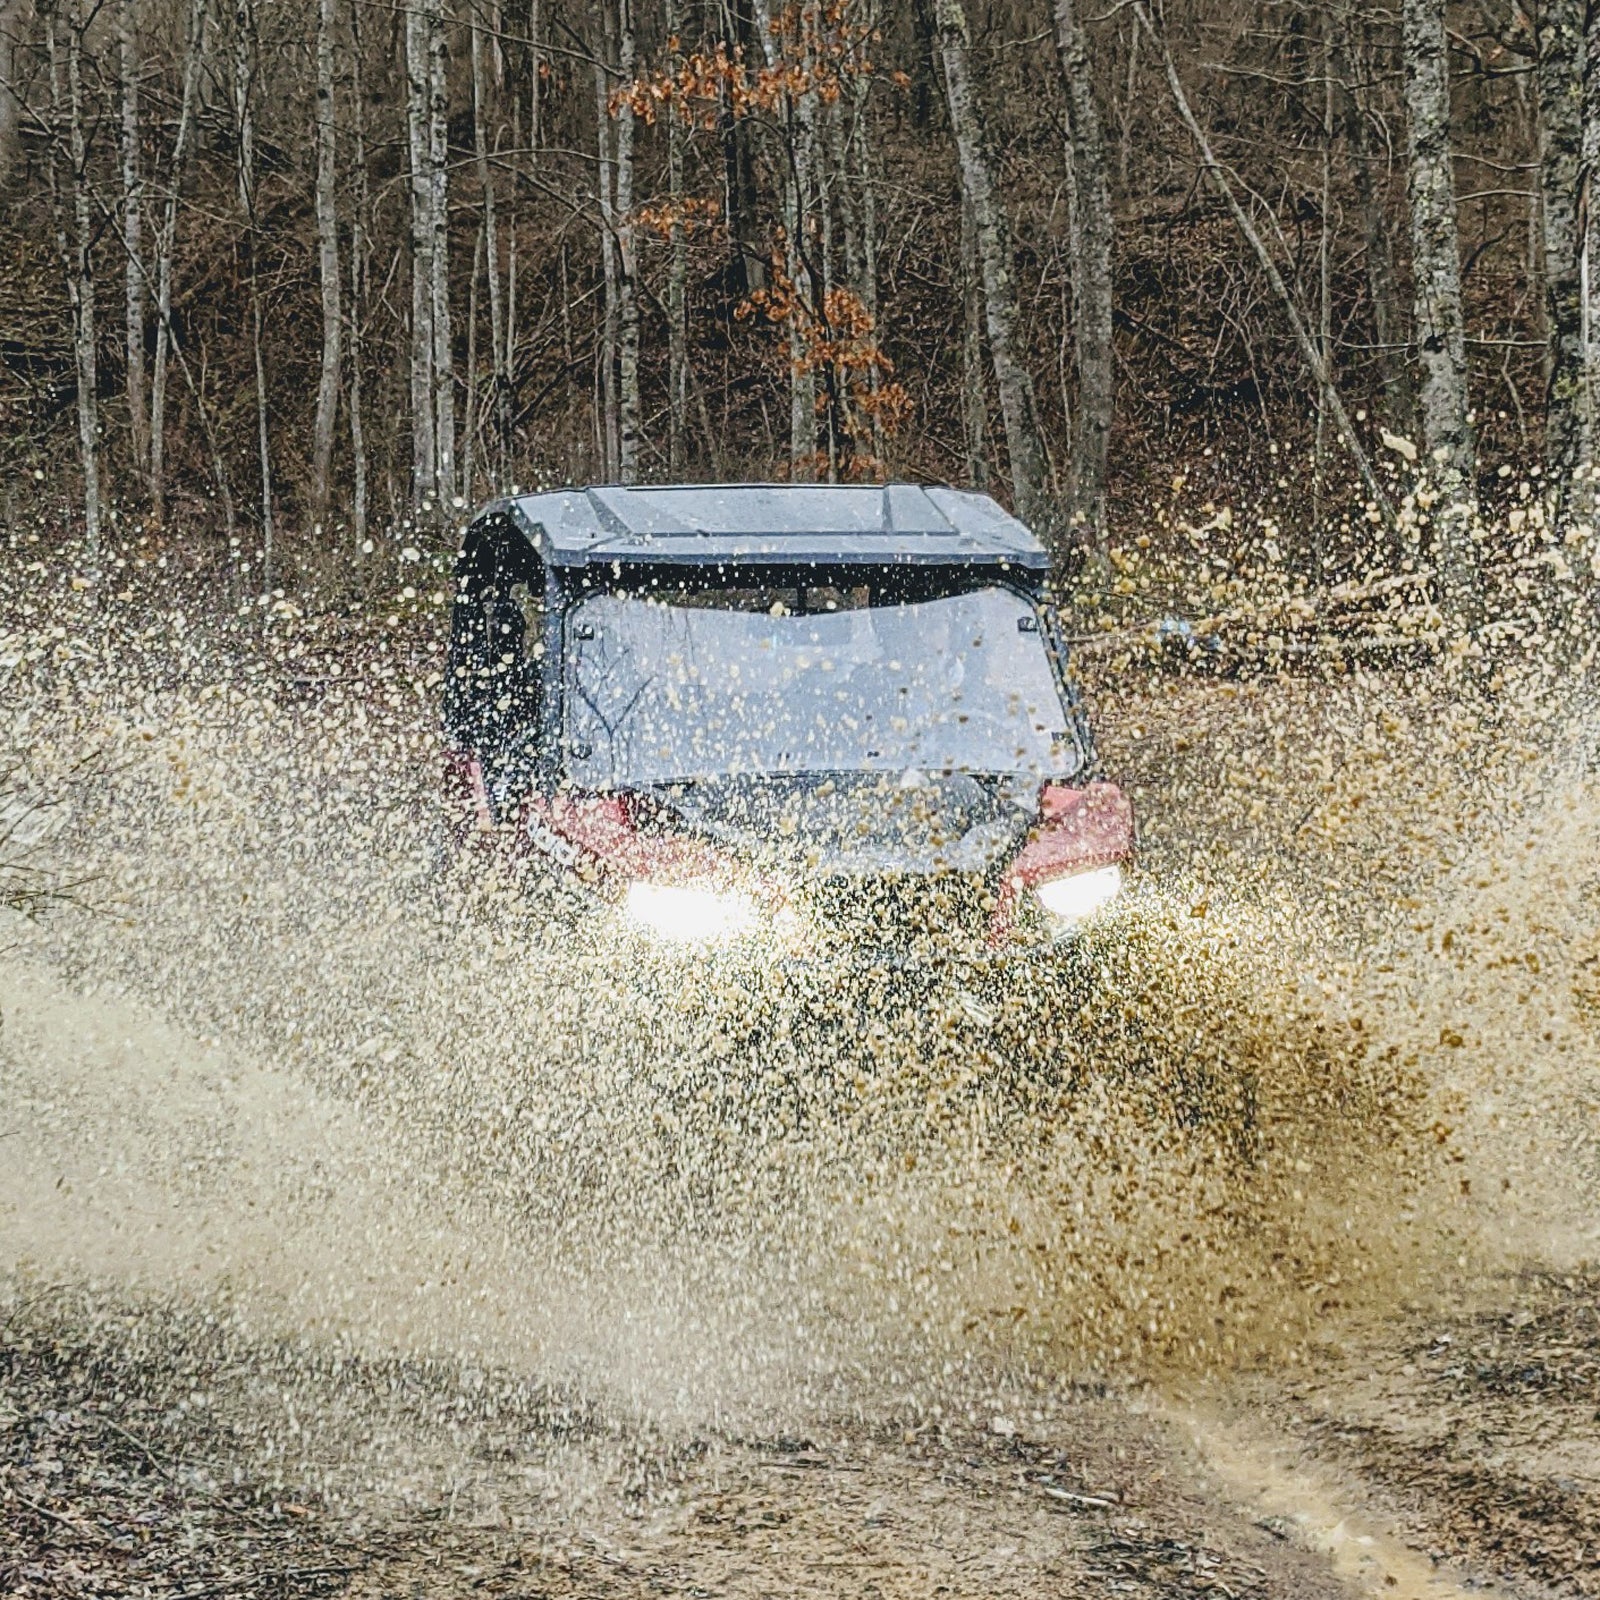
(828, 722)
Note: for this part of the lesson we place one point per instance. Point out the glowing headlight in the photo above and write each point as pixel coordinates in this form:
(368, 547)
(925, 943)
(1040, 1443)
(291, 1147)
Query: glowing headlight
(688, 916)
(1069, 900)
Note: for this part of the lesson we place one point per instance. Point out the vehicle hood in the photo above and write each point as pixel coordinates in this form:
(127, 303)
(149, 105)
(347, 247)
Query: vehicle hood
(853, 824)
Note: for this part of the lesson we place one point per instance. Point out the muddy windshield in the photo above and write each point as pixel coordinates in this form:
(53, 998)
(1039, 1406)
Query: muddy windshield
(750, 682)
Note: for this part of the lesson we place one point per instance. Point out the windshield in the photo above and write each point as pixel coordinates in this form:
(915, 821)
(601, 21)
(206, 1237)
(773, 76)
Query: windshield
(709, 684)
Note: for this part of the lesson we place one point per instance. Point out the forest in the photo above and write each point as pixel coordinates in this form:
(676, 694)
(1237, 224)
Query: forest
(285, 276)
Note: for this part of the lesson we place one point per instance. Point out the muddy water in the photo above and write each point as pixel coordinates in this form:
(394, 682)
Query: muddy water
(284, 1075)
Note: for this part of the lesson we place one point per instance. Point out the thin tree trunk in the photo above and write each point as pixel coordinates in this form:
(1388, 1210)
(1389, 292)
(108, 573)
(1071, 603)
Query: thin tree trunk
(444, 399)
(1440, 334)
(628, 410)
(424, 431)
(1307, 346)
(76, 250)
(1092, 324)
(245, 51)
(1561, 94)
(328, 268)
(133, 236)
(1589, 195)
(1024, 447)
(974, 404)
(500, 388)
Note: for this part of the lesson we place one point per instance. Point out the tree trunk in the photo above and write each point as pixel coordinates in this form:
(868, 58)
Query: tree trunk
(133, 236)
(424, 431)
(1024, 447)
(246, 46)
(1091, 249)
(1561, 95)
(1440, 334)
(76, 250)
(628, 440)
(328, 267)
(500, 387)
(444, 394)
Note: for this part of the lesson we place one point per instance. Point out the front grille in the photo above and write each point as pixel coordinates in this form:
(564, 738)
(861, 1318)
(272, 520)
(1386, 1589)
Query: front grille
(920, 916)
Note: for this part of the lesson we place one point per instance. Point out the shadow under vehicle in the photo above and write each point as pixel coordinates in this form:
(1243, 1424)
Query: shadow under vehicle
(788, 729)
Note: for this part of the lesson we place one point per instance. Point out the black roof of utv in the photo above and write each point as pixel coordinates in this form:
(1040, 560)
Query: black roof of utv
(777, 524)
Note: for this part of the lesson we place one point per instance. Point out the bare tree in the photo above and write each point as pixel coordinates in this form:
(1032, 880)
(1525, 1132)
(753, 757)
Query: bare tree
(327, 266)
(134, 269)
(1091, 258)
(75, 246)
(1561, 105)
(1024, 448)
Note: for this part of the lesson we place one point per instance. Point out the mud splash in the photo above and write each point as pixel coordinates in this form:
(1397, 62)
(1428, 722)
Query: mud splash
(285, 1069)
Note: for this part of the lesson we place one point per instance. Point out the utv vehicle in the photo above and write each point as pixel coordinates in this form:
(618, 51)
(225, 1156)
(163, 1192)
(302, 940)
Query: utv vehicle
(813, 722)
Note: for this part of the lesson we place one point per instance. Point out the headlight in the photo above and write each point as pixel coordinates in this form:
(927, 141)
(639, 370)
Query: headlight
(1069, 900)
(688, 916)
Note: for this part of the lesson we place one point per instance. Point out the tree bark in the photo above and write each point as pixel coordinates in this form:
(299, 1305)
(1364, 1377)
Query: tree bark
(1561, 97)
(76, 248)
(1589, 200)
(1024, 448)
(328, 268)
(1092, 286)
(134, 275)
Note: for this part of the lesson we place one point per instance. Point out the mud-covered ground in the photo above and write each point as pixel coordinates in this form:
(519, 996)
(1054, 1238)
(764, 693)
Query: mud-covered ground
(218, 1378)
